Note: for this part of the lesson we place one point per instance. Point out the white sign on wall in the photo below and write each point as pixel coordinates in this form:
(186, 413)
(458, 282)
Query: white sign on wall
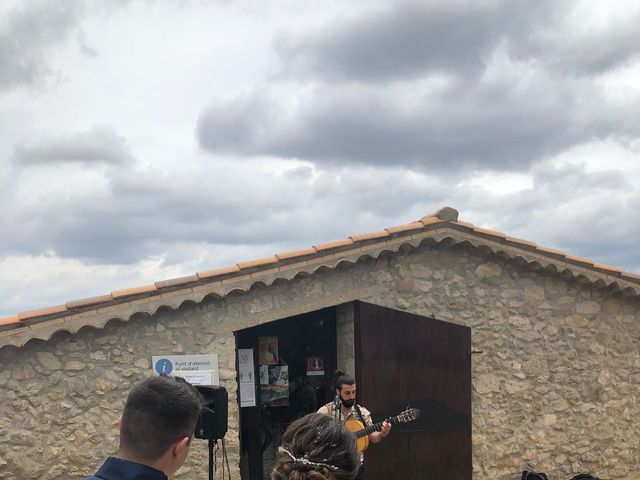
(247, 377)
(196, 369)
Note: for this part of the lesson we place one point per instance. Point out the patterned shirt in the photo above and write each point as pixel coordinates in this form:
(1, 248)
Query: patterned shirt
(352, 414)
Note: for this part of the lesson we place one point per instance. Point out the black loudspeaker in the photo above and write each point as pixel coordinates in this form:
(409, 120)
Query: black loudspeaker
(213, 422)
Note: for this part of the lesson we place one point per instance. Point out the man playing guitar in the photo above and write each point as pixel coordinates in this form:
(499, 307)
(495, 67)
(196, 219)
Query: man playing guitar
(344, 408)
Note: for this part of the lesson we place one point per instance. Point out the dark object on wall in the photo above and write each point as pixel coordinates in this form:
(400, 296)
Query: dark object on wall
(528, 475)
(584, 476)
(213, 421)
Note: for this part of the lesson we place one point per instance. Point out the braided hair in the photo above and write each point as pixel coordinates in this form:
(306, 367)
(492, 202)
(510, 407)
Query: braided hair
(316, 447)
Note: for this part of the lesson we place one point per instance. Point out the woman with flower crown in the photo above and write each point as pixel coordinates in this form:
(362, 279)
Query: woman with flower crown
(316, 447)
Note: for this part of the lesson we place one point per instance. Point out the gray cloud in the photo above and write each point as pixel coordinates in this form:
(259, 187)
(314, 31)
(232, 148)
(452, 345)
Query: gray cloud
(202, 216)
(412, 39)
(594, 216)
(499, 123)
(494, 86)
(99, 144)
(402, 41)
(589, 214)
(31, 30)
(577, 50)
(130, 214)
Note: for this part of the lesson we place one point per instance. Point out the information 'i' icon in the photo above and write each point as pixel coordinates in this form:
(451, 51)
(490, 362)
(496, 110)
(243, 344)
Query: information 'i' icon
(164, 366)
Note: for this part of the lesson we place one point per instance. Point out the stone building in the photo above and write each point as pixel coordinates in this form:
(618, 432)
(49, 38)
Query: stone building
(519, 356)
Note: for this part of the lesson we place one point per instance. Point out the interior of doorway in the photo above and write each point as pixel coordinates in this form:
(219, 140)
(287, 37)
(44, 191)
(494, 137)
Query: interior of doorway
(305, 353)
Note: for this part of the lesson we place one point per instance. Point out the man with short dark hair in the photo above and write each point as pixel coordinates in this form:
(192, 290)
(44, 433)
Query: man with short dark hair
(156, 429)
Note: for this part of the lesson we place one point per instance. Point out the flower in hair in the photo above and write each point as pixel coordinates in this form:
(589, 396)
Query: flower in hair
(306, 461)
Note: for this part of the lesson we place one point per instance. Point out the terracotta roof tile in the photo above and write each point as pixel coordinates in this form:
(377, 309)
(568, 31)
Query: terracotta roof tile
(218, 271)
(133, 291)
(601, 266)
(573, 258)
(486, 231)
(41, 312)
(335, 244)
(552, 251)
(257, 263)
(86, 302)
(430, 220)
(404, 228)
(521, 241)
(296, 253)
(369, 236)
(466, 224)
(9, 320)
(174, 282)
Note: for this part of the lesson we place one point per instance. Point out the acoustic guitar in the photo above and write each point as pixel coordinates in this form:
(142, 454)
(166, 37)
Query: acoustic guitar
(362, 433)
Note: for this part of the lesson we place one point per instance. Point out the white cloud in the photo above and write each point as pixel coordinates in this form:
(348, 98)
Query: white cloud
(34, 281)
(499, 183)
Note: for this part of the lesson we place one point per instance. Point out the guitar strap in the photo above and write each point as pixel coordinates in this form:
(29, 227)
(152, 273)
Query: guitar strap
(360, 414)
(330, 411)
(357, 407)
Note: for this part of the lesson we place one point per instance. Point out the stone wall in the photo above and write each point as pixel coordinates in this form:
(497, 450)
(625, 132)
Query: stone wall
(344, 333)
(62, 399)
(555, 387)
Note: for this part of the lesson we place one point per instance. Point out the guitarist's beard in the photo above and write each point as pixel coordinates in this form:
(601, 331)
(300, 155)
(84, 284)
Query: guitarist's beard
(347, 403)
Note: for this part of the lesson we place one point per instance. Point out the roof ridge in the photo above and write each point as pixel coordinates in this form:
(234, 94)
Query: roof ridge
(447, 215)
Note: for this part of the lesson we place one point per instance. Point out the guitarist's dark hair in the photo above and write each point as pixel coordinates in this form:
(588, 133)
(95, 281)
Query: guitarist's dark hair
(342, 378)
(316, 447)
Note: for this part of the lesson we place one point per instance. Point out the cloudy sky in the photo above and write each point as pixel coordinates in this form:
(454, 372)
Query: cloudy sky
(143, 140)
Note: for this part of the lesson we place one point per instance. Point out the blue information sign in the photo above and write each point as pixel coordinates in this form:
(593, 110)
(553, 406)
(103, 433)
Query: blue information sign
(164, 366)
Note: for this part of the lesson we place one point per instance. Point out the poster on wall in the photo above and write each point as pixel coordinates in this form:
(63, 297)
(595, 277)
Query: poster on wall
(268, 350)
(264, 374)
(274, 395)
(279, 375)
(195, 369)
(276, 392)
(246, 376)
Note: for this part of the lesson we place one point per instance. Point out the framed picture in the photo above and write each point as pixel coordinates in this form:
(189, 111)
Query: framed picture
(268, 351)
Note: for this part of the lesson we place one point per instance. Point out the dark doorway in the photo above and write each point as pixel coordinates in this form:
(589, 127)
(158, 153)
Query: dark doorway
(404, 359)
(299, 338)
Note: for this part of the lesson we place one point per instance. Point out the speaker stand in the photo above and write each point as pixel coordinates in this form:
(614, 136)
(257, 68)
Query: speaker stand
(211, 462)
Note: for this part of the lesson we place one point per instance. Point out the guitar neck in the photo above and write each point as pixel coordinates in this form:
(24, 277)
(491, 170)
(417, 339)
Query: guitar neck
(376, 427)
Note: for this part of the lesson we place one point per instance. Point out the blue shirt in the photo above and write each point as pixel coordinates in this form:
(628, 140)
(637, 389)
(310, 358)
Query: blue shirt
(118, 469)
